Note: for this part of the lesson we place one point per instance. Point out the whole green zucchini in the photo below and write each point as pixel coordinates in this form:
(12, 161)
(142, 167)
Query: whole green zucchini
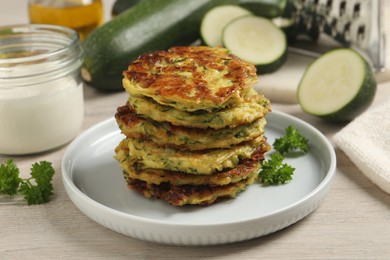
(266, 8)
(148, 26)
(120, 6)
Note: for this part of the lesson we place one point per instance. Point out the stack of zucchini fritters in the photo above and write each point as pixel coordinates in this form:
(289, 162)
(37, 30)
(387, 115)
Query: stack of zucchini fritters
(194, 125)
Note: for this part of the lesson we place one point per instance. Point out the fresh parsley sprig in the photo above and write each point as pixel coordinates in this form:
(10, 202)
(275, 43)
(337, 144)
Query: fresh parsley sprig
(293, 140)
(274, 171)
(36, 190)
(9, 178)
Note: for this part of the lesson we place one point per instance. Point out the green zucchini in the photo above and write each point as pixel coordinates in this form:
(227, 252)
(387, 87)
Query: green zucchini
(120, 6)
(257, 40)
(265, 8)
(148, 26)
(216, 19)
(338, 86)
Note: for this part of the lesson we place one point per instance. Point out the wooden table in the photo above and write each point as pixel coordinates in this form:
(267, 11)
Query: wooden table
(353, 221)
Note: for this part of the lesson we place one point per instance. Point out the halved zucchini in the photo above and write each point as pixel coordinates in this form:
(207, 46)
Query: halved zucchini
(337, 86)
(216, 19)
(257, 40)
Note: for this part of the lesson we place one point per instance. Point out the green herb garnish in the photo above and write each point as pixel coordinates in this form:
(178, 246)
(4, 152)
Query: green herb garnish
(274, 171)
(9, 178)
(36, 190)
(291, 141)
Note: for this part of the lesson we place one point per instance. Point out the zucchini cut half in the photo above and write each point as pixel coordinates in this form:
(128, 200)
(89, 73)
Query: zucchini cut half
(337, 86)
(216, 19)
(256, 40)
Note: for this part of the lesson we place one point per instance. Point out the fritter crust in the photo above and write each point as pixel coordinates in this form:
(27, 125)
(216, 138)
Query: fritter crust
(190, 77)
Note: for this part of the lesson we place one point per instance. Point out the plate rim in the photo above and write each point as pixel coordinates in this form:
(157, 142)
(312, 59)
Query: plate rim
(71, 187)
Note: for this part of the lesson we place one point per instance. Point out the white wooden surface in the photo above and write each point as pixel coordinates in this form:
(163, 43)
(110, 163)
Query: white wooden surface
(353, 222)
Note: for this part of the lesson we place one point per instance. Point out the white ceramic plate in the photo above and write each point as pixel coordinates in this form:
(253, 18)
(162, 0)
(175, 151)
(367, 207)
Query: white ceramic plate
(94, 182)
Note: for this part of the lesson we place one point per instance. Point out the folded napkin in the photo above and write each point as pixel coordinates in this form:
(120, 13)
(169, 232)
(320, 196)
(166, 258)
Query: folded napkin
(366, 141)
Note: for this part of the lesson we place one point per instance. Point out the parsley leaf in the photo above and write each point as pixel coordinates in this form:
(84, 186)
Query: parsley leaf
(42, 173)
(36, 190)
(291, 141)
(275, 172)
(9, 178)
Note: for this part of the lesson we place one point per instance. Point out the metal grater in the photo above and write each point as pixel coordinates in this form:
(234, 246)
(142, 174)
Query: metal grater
(330, 23)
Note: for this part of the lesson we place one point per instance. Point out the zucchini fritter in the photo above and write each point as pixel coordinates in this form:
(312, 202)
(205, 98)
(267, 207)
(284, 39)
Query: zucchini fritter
(146, 154)
(184, 138)
(189, 194)
(253, 107)
(190, 78)
(157, 176)
(243, 170)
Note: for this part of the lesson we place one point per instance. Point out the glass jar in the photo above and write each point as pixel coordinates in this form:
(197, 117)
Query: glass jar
(41, 93)
(80, 15)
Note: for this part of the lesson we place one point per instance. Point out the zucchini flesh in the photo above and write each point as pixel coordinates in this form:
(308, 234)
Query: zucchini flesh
(257, 40)
(148, 26)
(338, 86)
(216, 19)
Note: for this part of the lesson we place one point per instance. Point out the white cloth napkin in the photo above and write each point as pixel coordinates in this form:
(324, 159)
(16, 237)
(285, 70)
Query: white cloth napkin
(366, 141)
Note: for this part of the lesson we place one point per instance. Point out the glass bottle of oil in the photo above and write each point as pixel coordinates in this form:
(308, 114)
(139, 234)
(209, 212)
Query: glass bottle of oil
(80, 15)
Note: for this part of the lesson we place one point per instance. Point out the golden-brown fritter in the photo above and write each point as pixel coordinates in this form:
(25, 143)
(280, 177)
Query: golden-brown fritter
(254, 106)
(146, 154)
(189, 194)
(184, 138)
(243, 170)
(190, 78)
(157, 176)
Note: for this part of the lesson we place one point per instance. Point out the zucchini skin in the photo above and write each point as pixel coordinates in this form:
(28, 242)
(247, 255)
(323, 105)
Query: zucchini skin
(272, 67)
(148, 26)
(122, 5)
(266, 8)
